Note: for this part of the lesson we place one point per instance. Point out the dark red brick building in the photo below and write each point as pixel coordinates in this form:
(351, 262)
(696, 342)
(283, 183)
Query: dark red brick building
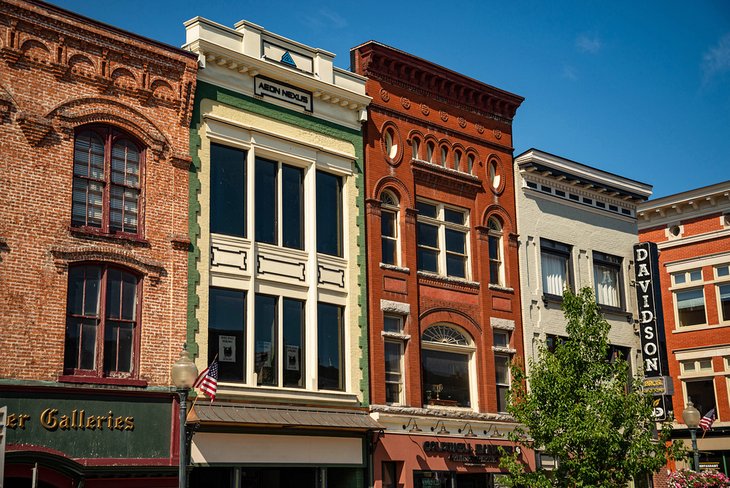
(443, 287)
(93, 247)
(692, 233)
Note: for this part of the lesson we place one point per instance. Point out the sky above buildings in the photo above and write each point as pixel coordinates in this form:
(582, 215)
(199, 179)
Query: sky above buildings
(641, 89)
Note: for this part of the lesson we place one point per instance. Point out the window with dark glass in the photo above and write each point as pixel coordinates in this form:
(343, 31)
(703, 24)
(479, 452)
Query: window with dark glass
(329, 214)
(101, 321)
(107, 172)
(330, 347)
(265, 338)
(389, 228)
(442, 239)
(227, 190)
(555, 263)
(501, 366)
(279, 204)
(227, 332)
(293, 352)
(702, 394)
(445, 356)
(607, 279)
(496, 272)
(393, 371)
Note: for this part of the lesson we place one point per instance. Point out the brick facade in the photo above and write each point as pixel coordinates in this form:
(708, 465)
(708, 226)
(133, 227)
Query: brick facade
(61, 72)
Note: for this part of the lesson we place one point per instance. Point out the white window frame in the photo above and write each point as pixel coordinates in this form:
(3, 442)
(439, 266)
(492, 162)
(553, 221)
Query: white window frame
(395, 210)
(683, 281)
(442, 225)
(499, 234)
(721, 280)
(400, 373)
(508, 357)
(470, 351)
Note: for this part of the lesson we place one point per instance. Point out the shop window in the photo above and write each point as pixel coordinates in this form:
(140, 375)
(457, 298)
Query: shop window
(227, 191)
(701, 393)
(279, 204)
(446, 356)
(389, 228)
(330, 347)
(329, 214)
(107, 171)
(227, 332)
(279, 354)
(556, 264)
(442, 239)
(102, 321)
(501, 366)
(689, 300)
(496, 267)
(607, 279)
(393, 371)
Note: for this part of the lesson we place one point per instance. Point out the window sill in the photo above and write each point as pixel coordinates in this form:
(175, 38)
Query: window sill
(94, 380)
(694, 328)
(117, 237)
(504, 350)
(505, 289)
(450, 280)
(395, 335)
(446, 405)
(548, 298)
(393, 267)
(616, 311)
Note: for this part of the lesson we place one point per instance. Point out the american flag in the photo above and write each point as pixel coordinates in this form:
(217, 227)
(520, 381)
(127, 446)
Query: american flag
(208, 380)
(708, 420)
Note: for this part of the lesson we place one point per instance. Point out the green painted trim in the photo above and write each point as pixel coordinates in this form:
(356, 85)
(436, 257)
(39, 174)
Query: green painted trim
(222, 95)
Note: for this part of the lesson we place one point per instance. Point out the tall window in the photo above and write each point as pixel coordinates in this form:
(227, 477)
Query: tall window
(330, 347)
(457, 160)
(279, 204)
(102, 321)
(607, 279)
(689, 298)
(107, 181)
(444, 155)
(699, 384)
(389, 228)
(496, 268)
(227, 332)
(329, 214)
(227, 190)
(442, 239)
(279, 350)
(393, 348)
(445, 360)
(416, 147)
(723, 291)
(501, 366)
(555, 262)
(430, 148)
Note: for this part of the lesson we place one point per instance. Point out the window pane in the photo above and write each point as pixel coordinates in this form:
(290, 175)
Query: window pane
(388, 251)
(92, 286)
(501, 364)
(265, 311)
(607, 284)
(75, 301)
(87, 359)
(266, 206)
(393, 372)
(679, 278)
(501, 339)
(89, 155)
(293, 345)
(723, 271)
(226, 332)
(725, 301)
(554, 273)
(690, 307)
(428, 235)
(450, 371)
(494, 273)
(454, 216)
(118, 347)
(87, 201)
(426, 209)
(387, 223)
(227, 190)
(502, 392)
(428, 260)
(494, 247)
(113, 293)
(292, 203)
(330, 371)
(702, 394)
(125, 164)
(695, 275)
(329, 214)
(455, 241)
(455, 266)
(123, 209)
(392, 324)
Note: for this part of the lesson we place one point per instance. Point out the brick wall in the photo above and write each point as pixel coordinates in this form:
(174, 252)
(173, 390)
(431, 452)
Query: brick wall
(60, 72)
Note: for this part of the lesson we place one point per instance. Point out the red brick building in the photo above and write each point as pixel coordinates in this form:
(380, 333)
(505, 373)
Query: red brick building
(443, 287)
(93, 246)
(692, 232)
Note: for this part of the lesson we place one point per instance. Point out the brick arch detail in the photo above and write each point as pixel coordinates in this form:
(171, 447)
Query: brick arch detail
(443, 315)
(497, 210)
(396, 186)
(65, 257)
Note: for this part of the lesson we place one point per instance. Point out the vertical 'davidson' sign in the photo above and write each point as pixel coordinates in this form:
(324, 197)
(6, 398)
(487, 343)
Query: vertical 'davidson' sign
(651, 321)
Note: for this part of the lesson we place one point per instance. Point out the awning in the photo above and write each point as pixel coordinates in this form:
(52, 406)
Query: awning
(283, 416)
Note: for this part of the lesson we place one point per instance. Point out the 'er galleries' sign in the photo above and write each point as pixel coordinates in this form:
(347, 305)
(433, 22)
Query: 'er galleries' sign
(651, 321)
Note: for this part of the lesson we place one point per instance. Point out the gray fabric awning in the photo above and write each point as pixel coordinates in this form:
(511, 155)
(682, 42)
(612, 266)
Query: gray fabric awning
(283, 416)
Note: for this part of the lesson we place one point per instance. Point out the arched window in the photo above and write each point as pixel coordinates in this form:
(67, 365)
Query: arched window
(416, 147)
(430, 147)
(496, 261)
(391, 143)
(446, 361)
(444, 155)
(470, 164)
(389, 228)
(102, 321)
(107, 181)
(457, 160)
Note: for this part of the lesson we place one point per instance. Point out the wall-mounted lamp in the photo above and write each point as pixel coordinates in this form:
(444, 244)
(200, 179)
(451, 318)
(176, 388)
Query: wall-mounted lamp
(413, 424)
(493, 431)
(443, 430)
(470, 433)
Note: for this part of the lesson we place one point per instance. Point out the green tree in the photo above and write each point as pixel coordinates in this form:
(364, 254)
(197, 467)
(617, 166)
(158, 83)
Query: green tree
(584, 410)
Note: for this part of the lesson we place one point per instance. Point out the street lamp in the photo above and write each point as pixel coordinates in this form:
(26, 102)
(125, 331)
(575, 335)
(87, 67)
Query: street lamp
(691, 417)
(183, 375)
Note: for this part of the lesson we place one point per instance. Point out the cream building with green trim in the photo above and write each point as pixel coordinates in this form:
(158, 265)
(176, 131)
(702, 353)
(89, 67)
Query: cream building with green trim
(277, 283)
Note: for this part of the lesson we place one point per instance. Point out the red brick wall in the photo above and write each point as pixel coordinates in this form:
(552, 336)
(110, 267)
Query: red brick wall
(463, 116)
(59, 72)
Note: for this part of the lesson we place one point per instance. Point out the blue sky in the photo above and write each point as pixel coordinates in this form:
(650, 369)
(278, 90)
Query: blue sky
(641, 89)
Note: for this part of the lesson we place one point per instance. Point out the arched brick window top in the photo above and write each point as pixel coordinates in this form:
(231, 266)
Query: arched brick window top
(103, 311)
(444, 334)
(107, 184)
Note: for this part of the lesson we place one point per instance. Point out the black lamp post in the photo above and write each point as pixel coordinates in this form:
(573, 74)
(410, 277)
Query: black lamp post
(183, 375)
(691, 417)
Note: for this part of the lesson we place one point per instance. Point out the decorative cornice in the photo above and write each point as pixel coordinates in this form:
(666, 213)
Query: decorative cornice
(686, 205)
(384, 63)
(447, 179)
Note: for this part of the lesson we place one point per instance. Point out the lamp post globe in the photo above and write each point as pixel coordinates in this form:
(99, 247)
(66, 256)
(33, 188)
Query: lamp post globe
(183, 374)
(691, 417)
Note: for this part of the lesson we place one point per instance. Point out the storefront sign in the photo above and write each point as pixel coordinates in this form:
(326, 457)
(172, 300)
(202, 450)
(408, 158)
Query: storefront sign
(651, 323)
(266, 87)
(462, 452)
(51, 420)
